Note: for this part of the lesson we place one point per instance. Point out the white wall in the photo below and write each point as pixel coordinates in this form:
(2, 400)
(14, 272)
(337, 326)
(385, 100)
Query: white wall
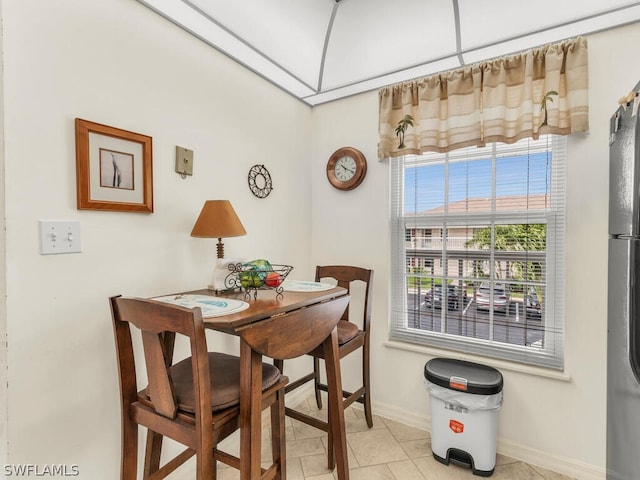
(556, 421)
(119, 64)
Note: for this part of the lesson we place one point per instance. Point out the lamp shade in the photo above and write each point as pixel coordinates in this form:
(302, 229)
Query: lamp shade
(218, 219)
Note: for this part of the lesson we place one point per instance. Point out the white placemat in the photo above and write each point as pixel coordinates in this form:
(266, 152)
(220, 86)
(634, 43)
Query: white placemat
(305, 286)
(211, 306)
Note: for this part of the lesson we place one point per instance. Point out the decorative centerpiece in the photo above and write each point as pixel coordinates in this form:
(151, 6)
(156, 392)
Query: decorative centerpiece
(257, 275)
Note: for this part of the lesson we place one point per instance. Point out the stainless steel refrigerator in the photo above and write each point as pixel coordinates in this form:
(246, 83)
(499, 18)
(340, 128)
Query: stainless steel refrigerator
(623, 337)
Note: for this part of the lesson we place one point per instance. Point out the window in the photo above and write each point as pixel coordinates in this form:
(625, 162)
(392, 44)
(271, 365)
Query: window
(478, 250)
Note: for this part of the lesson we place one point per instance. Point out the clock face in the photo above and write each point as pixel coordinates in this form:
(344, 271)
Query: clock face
(345, 168)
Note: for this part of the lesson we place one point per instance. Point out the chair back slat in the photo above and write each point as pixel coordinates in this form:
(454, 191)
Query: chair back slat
(160, 388)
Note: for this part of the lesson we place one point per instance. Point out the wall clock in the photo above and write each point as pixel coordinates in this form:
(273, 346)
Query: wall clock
(260, 181)
(346, 168)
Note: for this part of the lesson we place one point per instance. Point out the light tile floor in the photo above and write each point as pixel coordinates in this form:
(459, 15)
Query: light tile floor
(388, 451)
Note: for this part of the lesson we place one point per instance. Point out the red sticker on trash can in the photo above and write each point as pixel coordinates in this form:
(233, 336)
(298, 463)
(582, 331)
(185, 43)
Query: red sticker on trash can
(456, 426)
(458, 383)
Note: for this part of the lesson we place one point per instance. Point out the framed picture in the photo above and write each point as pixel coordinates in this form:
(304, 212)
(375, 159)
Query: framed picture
(113, 169)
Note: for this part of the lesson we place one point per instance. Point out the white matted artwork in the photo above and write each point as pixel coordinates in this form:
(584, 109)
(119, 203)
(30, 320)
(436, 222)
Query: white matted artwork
(113, 169)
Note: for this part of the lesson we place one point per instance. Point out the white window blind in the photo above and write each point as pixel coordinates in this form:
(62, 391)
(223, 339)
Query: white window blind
(478, 239)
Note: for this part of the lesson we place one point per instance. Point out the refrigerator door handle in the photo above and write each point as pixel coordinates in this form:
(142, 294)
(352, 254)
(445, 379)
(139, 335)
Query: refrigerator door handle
(634, 309)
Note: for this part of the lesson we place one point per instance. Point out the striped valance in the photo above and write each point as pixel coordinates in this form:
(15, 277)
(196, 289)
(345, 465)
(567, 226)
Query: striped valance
(539, 91)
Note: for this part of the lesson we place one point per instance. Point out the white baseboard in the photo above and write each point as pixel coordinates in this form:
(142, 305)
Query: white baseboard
(566, 466)
(399, 415)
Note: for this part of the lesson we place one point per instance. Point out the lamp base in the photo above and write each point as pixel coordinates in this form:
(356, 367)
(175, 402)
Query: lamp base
(220, 273)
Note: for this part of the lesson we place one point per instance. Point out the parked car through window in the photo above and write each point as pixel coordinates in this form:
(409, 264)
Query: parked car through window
(501, 297)
(433, 297)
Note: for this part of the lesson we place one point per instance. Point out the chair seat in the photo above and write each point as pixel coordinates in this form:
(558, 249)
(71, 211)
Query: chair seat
(225, 381)
(346, 331)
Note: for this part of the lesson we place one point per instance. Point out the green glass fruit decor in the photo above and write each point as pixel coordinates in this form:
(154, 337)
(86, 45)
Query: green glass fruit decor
(254, 273)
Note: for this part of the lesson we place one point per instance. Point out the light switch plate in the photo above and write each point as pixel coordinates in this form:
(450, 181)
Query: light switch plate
(59, 237)
(184, 161)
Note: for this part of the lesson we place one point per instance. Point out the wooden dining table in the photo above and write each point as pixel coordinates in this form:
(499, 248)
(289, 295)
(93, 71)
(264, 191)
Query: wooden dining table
(263, 329)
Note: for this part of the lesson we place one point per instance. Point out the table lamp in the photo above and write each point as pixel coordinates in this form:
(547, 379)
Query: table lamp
(218, 219)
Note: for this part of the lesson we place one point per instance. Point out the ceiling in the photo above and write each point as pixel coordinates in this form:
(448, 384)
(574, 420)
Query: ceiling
(323, 50)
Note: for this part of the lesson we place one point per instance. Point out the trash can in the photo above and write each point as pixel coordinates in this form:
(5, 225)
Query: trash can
(465, 398)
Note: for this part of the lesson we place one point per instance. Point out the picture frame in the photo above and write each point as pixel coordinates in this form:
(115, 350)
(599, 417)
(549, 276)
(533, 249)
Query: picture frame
(114, 168)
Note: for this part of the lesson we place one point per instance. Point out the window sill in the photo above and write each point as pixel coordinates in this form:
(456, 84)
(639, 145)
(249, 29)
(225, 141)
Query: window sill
(499, 364)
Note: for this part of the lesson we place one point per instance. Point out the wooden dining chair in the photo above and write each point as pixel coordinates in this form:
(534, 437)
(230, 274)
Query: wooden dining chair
(194, 401)
(351, 337)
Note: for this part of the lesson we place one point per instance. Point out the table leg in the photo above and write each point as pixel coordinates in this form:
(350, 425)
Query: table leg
(250, 412)
(335, 404)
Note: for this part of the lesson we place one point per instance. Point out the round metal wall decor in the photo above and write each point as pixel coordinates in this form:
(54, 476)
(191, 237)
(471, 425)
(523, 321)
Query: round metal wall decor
(260, 181)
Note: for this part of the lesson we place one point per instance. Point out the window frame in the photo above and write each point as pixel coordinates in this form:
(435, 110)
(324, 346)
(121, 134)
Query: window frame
(552, 354)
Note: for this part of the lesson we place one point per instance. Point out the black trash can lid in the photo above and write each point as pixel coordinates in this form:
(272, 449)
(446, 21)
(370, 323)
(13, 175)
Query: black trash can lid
(463, 376)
